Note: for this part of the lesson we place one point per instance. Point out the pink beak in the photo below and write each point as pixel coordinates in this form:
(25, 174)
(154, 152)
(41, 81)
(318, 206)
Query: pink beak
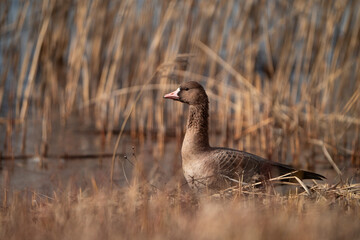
(173, 95)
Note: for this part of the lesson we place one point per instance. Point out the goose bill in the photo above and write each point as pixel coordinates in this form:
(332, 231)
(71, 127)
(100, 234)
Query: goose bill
(173, 95)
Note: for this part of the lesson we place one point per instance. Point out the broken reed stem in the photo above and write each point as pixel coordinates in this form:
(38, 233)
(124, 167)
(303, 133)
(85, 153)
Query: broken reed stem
(302, 184)
(331, 161)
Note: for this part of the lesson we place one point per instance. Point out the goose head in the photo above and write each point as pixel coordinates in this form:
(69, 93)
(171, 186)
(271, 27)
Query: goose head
(191, 93)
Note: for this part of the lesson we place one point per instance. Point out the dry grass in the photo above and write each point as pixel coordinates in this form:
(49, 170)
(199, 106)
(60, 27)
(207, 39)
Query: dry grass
(135, 212)
(283, 79)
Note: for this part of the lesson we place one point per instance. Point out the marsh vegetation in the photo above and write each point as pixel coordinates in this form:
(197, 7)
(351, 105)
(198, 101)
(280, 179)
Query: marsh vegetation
(81, 86)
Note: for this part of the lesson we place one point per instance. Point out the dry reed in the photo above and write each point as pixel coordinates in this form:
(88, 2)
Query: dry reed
(283, 79)
(281, 72)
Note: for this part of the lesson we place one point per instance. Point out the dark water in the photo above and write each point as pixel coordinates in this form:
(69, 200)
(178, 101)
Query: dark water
(67, 162)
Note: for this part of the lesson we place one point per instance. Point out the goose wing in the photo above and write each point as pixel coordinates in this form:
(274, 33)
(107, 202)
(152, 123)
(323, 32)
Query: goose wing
(238, 165)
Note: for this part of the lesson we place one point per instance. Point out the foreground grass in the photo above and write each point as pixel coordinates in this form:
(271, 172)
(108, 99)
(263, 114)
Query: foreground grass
(282, 76)
(134, 212)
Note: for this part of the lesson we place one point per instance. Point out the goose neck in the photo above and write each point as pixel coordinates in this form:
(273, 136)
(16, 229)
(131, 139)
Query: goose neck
(197, 126)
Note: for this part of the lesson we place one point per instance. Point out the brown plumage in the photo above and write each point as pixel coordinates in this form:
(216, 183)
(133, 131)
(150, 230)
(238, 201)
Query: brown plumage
(217, 168)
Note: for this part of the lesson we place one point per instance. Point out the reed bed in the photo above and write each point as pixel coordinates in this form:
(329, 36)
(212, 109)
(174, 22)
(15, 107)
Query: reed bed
(283, 79)
(281, 75)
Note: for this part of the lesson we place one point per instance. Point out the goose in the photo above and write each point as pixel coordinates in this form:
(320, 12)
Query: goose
(217, 168)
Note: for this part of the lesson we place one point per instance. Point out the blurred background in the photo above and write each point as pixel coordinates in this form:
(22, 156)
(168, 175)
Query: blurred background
(283, 78)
